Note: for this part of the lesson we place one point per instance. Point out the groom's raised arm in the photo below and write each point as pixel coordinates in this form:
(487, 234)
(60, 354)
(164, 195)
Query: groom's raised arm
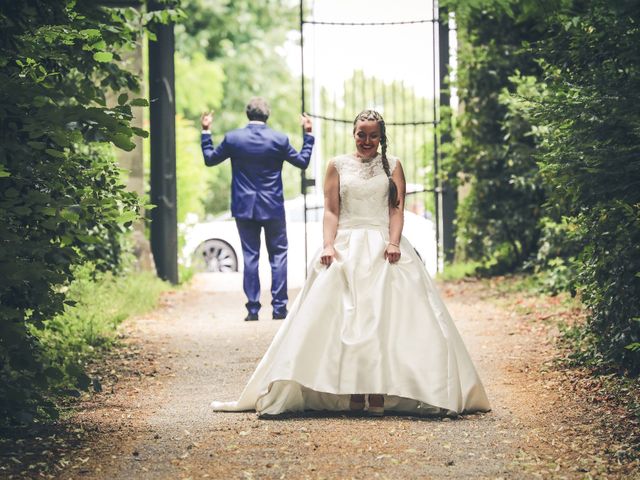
(213, 155)
(301, 159)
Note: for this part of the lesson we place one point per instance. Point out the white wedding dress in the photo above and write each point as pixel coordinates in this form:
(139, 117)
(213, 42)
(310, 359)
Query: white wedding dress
(363, 325)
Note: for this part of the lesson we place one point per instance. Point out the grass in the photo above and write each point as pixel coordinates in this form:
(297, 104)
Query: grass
(457, 271)
(185, 274)
(99, 302)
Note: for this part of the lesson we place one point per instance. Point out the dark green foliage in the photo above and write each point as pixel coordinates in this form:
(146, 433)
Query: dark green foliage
(243, 37)
(577, 115)
(218, 28)
(590, 159)
(493, 147)
(61, 200)
(556, 260)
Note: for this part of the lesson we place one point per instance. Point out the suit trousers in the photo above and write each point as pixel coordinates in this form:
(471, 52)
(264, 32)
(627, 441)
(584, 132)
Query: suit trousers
(275, 233)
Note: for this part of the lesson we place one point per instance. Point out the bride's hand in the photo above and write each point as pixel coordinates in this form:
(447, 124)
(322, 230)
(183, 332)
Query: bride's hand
(327, 256)
(392, 253)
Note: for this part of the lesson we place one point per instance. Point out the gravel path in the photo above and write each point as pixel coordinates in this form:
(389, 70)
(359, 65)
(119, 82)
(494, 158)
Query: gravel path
(156, 423)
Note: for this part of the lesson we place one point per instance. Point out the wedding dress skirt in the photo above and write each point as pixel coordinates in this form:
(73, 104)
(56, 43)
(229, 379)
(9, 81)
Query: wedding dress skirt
(364, 325)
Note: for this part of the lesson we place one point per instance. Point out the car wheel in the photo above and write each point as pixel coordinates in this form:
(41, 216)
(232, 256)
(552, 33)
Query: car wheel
(215, 255)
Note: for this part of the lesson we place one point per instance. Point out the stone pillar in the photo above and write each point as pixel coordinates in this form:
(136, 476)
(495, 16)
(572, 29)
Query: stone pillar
(133, 161)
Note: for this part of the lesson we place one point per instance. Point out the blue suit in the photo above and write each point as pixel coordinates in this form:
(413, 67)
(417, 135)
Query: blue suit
(257, 153)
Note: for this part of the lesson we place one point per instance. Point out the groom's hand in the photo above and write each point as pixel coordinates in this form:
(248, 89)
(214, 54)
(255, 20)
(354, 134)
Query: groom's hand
(206, 119)
(305, 121)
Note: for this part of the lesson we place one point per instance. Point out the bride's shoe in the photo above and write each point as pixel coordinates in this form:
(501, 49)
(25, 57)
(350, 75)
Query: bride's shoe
(376, 405)
(356, 402)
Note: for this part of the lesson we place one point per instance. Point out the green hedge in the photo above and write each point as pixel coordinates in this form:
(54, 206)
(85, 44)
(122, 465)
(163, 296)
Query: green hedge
(498, 220)
(590, 158)
(549, 141)
(61, 199)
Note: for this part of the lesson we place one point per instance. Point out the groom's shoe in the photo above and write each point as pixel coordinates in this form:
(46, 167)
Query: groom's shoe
(280, 315)
(251, 317)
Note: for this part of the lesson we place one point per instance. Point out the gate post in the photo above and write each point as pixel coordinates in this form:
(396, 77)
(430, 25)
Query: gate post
(164, 218)
(449, 194)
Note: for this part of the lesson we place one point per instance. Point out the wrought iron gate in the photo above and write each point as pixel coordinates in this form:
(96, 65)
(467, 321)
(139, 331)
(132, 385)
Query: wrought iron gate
(411, 110)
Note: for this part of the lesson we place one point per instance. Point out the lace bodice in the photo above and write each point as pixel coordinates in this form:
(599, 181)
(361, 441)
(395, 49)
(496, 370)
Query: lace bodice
(364, 188)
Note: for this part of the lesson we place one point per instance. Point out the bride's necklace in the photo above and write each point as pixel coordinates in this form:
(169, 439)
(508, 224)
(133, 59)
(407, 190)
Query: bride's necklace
(364, 159)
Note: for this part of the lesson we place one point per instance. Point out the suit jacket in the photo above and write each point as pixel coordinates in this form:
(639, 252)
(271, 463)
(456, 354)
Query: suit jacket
(257, 154)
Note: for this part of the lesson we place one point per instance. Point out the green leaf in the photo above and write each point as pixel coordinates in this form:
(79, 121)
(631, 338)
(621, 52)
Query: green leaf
(634, 347)
(101, 45)
(122, 99)
(139, 102)
(72, 392)
(52, 411)
(73, 370)
(55, 153)
(123, 141)
(22, 210)
(69, 215)
(54, 373)
(40, 101)
(48, 211)
(103, 57)
(140, 132)
(97, 386)
(83, 381)
(37, 145)
(61, 138)
(90, 32)
(66, 240)
(51, 223)
(128, 216)
(4, 173)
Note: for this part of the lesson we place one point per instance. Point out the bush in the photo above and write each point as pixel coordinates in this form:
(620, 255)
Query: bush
(579, 108)
(62, 202)
(556, 260)
(590, 158)
(493, 147)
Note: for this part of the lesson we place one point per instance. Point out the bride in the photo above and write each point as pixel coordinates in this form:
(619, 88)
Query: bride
(368, 331)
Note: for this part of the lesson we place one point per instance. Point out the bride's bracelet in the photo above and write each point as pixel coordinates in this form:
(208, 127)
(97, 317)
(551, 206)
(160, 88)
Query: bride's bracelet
(394, 244)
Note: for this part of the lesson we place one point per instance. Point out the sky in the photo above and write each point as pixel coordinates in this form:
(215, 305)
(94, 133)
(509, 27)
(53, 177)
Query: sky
(391, 52)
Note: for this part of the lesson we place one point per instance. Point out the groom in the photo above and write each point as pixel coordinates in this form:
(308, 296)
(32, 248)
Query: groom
(257, 153)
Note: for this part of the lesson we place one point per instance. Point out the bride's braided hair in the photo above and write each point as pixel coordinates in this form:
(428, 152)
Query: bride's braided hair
(372, 115)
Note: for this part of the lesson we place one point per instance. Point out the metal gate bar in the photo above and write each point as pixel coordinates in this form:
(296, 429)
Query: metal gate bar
(418, 167)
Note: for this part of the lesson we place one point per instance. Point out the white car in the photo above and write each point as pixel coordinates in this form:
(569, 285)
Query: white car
(215, 246)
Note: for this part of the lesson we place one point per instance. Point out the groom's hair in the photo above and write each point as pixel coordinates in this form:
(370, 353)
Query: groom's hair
(258, 109)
